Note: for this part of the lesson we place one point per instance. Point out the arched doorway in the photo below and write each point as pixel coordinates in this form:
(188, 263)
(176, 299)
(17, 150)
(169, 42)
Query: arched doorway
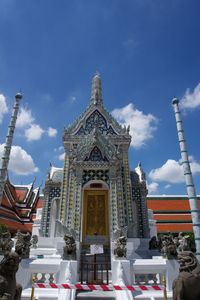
(95, 230)
(95, 220)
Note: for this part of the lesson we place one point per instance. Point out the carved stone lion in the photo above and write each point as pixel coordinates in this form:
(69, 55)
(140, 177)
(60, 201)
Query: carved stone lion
(9, 289)
(187, 285)
(69, 250)
(6, 242)
(120, 247)
(168, 246)
(153, 243)
(34, 241)
(23, 244)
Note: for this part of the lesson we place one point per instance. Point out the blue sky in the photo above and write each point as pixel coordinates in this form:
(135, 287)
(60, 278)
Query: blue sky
(146, 52)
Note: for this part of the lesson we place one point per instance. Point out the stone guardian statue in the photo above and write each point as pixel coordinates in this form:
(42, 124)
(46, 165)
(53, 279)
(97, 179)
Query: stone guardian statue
(9, 289)
(187, 285)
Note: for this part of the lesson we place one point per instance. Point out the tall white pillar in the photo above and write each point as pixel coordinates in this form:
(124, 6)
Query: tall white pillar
(8, 144)
(195, 211)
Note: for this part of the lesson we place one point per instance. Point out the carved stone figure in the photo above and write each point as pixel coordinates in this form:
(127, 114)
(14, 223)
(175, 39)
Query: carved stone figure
(9, 289)
(69, 250)
(120, 232)
(168, 247)
(183, 243)
(6, 242)
(34, 241)
(187, 285)
(23, 244)
(153, 243)
(176, 241)
(120, 246)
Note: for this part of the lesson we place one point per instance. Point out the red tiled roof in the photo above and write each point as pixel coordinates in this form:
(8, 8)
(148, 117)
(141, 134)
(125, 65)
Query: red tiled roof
(174, 227)
(21, 193)
(40, 203)
(16, 215)
(172, 213)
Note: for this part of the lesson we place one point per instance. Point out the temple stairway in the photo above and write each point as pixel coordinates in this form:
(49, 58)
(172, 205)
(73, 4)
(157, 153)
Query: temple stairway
(95, 295)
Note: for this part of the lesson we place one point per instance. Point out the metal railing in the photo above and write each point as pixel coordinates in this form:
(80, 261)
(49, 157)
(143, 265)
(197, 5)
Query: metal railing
(94, 272)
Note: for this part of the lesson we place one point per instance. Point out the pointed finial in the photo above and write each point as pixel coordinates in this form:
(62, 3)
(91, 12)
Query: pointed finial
(140, 172)
(96, 94)
(175, 100)
(34, 181)
(18, 96)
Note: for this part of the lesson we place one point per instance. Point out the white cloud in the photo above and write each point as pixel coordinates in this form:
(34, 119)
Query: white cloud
(167, 186)
(59, 149)
(52, 132)
(20, 162)
(61, 156)
(152, 187)
(3, 107)
(195, 166)
(141, 126)
(172, 171)
(24, 118)
(191, 100)
(34, 133)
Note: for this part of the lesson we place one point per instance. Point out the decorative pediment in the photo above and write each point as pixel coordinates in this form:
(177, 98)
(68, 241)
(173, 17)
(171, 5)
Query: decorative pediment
(95, 120)
(96, 155)
(95, 147)
(96, 116)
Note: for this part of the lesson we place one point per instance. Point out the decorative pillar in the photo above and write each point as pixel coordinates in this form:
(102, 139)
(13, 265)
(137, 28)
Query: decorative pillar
(70, 207)
(114, 224)
(8, 144)
(195, 211)
(120, 202)
(63, 202)
(127, 189)
(78, 204)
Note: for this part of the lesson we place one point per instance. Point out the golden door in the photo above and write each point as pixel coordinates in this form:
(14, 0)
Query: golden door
(95, 216)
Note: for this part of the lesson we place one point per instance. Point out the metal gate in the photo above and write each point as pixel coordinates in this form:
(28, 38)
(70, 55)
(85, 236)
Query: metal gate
(93, 271)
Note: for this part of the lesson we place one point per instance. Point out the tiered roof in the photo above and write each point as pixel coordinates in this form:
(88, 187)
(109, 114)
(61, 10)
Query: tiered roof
(171, 212)
(19, 205)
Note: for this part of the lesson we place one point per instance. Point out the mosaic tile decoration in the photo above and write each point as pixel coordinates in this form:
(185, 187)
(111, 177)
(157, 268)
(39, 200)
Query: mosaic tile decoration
(95, 175)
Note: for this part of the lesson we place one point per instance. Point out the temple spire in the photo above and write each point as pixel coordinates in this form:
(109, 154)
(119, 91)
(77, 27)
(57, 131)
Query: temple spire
(96, 92)
(8, 144)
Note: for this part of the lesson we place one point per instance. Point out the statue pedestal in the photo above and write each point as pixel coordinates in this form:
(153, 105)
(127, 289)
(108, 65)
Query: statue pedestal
(172, 272)
(24, 273)
(125, 272)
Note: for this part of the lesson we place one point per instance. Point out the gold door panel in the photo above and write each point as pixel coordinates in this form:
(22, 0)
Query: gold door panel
(95, 217)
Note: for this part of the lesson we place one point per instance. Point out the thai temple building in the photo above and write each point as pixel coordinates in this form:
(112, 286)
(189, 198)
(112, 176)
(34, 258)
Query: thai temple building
(96, 193)
(95, 222)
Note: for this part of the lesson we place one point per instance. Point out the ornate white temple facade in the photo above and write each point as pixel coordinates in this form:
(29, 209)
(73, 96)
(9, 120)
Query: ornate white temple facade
(95, 202)
(96, 193)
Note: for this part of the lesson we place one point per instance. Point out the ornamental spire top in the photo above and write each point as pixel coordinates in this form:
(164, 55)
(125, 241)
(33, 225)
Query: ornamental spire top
(96, 93)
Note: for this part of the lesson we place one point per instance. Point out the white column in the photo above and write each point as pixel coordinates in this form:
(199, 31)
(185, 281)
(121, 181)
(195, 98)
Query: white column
(8, 144)
(195, 212)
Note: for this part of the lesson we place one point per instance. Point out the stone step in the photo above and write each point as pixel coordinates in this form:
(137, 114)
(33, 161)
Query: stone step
(95, 295)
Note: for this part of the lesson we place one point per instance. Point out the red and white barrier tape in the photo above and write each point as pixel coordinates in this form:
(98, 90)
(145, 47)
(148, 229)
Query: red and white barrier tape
(101, 287)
